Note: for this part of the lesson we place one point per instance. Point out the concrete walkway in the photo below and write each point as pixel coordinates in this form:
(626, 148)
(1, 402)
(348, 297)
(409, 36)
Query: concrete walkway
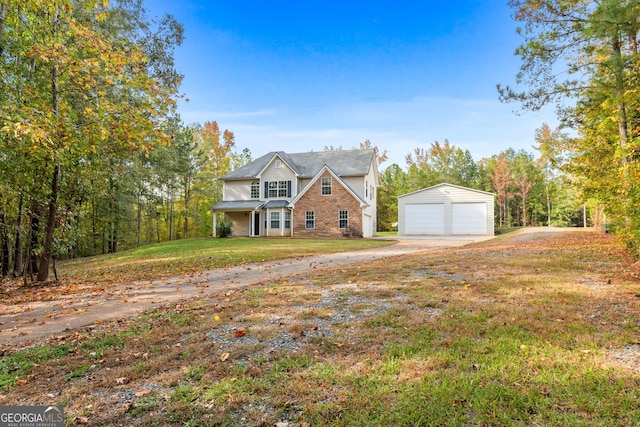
(37, 320)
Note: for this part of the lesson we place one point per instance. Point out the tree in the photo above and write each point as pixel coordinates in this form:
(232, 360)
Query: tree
(85, 91)
(587, 52)
(501, 181)
(445, 163)
(549, 145)
(393, 183)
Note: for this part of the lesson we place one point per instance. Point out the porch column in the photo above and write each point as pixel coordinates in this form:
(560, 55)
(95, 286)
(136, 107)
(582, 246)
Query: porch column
(213, 233)
(291, 222)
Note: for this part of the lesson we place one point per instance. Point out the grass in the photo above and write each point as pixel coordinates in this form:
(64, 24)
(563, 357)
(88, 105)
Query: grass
(192, 255)
(508, 332)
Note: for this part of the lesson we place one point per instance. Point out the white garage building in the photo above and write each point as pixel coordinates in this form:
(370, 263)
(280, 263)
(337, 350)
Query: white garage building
(445, 210)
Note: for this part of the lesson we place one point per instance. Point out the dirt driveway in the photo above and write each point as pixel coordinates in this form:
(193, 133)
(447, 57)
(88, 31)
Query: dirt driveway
(23, 324)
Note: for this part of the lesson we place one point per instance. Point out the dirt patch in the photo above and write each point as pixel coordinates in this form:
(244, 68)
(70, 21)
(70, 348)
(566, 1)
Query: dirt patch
(42, 314)
(627, 357)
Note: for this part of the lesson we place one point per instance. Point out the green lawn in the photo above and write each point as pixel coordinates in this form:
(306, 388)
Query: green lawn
(189, 255)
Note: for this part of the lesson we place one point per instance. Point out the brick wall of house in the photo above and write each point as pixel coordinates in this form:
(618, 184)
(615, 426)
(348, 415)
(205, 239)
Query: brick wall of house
(327, 209)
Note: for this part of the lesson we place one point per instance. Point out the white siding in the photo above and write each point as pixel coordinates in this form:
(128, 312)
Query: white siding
(237, 190)
(282, 174)
(446, 194)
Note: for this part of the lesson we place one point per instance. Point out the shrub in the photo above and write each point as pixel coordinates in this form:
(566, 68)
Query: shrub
(351, 232)
(223, 229)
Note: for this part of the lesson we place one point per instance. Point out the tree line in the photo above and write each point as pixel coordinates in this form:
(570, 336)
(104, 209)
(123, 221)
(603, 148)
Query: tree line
(529, 190)
(583, 57)
(93, 154)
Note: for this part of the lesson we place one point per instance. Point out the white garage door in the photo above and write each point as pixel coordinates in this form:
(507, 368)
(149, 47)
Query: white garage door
(424, 218)
(469, 218)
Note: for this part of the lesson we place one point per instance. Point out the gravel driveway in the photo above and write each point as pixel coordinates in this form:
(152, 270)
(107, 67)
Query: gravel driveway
(37, 320)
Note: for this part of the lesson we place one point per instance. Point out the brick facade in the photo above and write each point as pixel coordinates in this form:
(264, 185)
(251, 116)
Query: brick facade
(327, 210)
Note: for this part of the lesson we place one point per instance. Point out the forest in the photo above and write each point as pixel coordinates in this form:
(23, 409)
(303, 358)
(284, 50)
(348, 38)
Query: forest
(95, 158)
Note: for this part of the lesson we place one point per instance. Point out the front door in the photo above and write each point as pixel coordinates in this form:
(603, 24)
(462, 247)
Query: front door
(256, 223)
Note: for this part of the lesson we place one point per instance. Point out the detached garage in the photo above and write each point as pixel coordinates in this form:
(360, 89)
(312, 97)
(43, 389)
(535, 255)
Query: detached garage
(444, 210)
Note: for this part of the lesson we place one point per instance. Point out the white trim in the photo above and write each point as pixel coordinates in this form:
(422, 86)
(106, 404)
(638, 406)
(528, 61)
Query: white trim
(449, 185)
(270, 162)
(363, 203)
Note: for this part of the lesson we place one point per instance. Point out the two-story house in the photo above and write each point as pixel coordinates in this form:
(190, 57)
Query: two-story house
(323, 194)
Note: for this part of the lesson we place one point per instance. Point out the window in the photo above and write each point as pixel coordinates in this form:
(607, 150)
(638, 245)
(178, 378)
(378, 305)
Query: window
(310, 219)
(343, 219)
(278, 164)
(255, 189)
(275, 219)
(326, 186)
(282, 188)
(366, 189)
(277, 189)
(287, 219)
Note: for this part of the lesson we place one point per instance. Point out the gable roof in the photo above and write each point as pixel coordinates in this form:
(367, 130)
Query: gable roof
(445, 184)
(337, 178)
(307, 165)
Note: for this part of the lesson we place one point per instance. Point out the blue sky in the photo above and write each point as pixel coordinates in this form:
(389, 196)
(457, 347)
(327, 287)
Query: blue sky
(301, 75)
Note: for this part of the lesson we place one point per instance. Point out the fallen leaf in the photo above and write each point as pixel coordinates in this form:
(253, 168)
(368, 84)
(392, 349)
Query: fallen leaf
(141, 393)
(216, 318)
(224, 356)
(121, 380)
(21, 382)
(240, 333)
(82, 420)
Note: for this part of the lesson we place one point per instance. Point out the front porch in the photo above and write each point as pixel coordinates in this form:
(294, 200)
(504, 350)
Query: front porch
(255, 218)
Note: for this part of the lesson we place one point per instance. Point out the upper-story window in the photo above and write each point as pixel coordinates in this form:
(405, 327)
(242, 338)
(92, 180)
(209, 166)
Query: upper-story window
(255, 189)
(278, 189)
(366, 189)
(326, 186)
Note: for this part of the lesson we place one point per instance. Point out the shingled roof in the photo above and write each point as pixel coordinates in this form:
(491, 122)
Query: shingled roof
(306, 165)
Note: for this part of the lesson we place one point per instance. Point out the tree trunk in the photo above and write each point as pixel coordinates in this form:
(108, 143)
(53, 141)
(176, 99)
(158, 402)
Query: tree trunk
(4, 244)
(171, 225)
(17, 263)
(113, 229)
(187, 199)
(139, 225)
(34, 231)
(546, 189)
(47, 247)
